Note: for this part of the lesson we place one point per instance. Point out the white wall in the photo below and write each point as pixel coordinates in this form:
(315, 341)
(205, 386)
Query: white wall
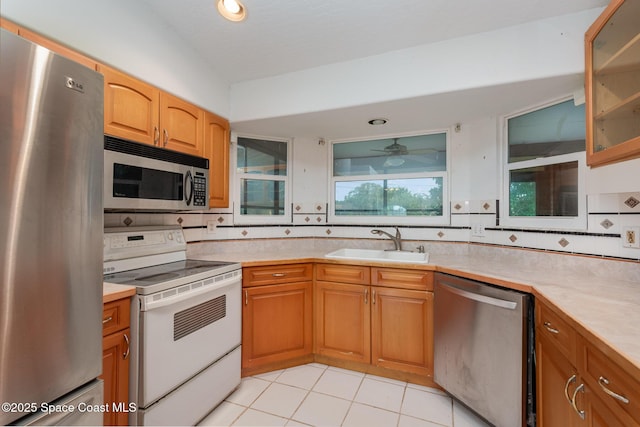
(127, 36)
(550, 47)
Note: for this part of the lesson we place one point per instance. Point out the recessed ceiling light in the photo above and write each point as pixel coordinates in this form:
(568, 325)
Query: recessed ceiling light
(377, 122)
(232, 10)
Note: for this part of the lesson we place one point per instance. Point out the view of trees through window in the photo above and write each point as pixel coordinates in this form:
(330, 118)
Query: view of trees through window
(401, 197)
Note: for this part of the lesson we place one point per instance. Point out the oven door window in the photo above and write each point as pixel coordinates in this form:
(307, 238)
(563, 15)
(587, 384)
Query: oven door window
(135, 182)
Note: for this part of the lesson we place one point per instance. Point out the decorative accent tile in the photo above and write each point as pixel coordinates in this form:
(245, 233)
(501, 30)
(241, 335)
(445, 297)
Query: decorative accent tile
(632, 202)
(440, 234)
(220, 219)
(319, 207)
(457, 206)
(319, 219)
(328, 231)
(563, 242)
(513, 238)
(486, 206)
(244, 233)
(606, 224)
(127, 221)
(287, 231)
(180, 220)
(307, 219)
(298, 208)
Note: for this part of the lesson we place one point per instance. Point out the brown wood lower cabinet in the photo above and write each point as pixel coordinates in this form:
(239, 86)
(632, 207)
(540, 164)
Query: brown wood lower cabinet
(277, 312)
(115, 360)
(342, 322)
(388, 327)
(402, 330)
(572, 375)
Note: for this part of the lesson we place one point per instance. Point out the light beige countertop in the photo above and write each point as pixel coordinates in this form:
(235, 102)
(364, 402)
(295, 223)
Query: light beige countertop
(113, 292)
(589, 291)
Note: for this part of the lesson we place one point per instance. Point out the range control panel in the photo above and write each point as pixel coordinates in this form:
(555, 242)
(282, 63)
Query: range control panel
(127, 243)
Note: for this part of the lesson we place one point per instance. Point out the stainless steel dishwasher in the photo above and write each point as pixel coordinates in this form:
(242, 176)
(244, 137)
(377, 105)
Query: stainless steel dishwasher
(483, 347)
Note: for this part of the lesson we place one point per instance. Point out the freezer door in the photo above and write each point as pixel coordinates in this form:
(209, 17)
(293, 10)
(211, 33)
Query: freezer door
(51, 223)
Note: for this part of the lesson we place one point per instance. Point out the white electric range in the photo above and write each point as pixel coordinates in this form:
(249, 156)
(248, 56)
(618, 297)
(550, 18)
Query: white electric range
(185, 324)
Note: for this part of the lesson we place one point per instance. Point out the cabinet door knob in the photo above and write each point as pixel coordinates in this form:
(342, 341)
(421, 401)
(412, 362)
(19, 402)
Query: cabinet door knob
(604, 383)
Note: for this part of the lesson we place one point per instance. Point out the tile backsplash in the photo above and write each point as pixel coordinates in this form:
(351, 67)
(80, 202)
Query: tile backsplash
(472, 221)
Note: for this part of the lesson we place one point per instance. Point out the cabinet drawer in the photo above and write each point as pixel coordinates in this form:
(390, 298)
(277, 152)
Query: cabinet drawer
(115, 316)
(557, 331)
(274, 274)
(355, 274)
(405, 279)
(617, 388)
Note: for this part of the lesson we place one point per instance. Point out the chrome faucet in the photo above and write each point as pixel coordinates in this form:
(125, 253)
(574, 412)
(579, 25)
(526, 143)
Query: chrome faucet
(397, 239)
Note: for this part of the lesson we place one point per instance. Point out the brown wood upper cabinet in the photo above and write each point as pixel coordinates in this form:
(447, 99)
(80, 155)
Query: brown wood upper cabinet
(216, 149)
(612, 84)
(131, 107)
(140, 112)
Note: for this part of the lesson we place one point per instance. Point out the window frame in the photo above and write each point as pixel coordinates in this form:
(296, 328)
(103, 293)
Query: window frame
(569, 223)
(242, 219)
(443, 220)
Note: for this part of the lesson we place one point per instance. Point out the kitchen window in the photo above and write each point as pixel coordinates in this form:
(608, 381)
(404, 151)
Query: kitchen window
(396, 180)
(545, 162)
(262, 177)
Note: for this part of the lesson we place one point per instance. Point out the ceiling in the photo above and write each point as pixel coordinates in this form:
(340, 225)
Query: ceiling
(282, 36)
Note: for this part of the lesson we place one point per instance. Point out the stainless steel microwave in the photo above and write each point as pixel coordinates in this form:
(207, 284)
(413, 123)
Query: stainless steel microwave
(147, 178)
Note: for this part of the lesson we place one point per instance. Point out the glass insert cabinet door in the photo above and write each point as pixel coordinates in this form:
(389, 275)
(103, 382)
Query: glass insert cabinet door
(612, 84)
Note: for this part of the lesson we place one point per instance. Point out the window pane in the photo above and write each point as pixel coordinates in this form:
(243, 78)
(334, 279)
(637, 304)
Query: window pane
(263, 157)
(261, 197)
(393, 197)
(550, 190)
(551, 131)
(422, 153)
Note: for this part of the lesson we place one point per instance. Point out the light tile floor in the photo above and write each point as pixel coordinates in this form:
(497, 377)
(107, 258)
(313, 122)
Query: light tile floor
(320, 395)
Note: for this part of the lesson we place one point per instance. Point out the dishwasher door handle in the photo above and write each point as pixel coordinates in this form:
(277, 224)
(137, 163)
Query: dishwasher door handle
(481, 298)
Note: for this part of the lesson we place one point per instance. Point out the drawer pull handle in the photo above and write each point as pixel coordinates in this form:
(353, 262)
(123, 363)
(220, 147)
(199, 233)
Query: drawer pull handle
(279, 274)
(550, 328)
(107, 320)
(573, 400)
(126, 353)
(604, 383)
(571, 379)
(346, 353)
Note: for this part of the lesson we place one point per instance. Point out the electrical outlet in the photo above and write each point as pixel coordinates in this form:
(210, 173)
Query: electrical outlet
(211, 227)
(630, 237)
(477, 230)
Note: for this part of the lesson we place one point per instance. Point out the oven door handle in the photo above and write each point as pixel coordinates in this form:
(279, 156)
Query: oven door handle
(147, 302)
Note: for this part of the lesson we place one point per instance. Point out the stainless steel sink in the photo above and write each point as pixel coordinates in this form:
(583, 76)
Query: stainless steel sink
(380, 255)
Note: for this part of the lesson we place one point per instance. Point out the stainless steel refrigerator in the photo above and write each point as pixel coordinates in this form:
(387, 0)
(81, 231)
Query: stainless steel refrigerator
(51, 224)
